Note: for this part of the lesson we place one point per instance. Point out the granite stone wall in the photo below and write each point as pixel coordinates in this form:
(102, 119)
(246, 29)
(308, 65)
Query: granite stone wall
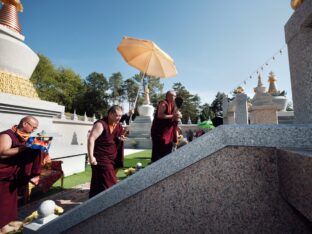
(234, 190)
(298, 34)
(295, 179)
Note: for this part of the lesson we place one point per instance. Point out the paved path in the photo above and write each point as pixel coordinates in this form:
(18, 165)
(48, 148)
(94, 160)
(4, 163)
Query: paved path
(67, 198)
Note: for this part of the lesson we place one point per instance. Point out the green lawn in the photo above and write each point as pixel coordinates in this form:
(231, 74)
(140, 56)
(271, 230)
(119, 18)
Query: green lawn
(81, 178)
(131, 160)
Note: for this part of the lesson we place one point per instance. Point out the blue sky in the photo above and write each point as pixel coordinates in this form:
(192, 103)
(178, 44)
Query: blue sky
(216, 45)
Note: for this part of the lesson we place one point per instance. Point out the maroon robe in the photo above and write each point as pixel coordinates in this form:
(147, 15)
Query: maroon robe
(163, 134)
(15, 171)
(109, 154)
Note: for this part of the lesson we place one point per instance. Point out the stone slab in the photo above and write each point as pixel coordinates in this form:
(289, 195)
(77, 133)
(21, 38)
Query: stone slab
(234, 190)
(298, 31)
(14, 104)
(295, 176)
(227, 135)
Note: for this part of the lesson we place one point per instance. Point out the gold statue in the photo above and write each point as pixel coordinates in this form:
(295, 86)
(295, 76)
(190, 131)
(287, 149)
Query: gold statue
(296, 3)
(16, 3)
(272, 88)
(146, 96)
(238, 90)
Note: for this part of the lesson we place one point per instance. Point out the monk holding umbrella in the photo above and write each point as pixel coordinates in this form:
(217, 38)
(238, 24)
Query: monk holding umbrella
(146, 56)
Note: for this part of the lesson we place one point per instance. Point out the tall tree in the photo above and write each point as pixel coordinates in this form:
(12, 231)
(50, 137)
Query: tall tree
(130, 88)
(68, 89)
(190, 105)
(95, 98)
(205, 112)
(43, 79)
(115, 86)
(156, 89)
(56, 85)
(216, 105)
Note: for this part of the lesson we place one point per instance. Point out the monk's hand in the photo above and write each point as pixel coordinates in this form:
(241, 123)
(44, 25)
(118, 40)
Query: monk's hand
(93, 161)
(177, 115)
(122, 138)
(22, 148)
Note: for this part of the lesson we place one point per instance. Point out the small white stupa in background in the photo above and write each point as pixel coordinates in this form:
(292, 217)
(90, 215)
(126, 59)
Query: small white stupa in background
(140, 128)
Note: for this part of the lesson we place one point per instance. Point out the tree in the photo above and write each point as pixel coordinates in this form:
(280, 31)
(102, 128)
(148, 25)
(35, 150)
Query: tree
(130, 88)
(95, 98)
(56, 85)
(216, 105)
(43, 79)
(289, 106)
(68, 88)
(190, 105)
(155, 88)
(115, 86)
(205, 112)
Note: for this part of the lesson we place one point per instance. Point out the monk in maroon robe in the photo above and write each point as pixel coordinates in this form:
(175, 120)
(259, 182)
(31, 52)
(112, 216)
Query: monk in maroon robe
(18, 164)
(106, 150)
(164, 127)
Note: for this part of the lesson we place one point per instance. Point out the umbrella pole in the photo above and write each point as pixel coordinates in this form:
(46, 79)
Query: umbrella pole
(136, 98)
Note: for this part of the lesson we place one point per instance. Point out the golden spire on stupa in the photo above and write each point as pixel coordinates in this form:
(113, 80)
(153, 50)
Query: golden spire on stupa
(296, 3)
(272, 80)
(14, 77)
(9, 14)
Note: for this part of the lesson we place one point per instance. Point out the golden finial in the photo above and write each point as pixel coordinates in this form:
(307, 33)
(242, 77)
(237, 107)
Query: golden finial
(9, 14)
(296, 3)
(272, 80)
(16, 3)
(238, 90)
(272, 77)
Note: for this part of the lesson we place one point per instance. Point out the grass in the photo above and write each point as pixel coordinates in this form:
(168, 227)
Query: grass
(84, 177)
(131, 160)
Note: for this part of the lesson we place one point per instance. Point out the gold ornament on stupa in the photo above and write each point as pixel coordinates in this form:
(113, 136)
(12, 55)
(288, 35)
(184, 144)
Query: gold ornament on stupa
(13, 84)
(296, 3)
(16, 3)
(9, 81)
(238, 90)
(272, 79)
(9, 14)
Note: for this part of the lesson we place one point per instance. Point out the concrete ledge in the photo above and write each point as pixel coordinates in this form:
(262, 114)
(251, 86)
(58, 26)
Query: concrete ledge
(13, 104)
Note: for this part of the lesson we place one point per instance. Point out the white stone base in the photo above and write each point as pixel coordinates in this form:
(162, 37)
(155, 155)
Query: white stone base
(146, 110)
(266, 114)
(13, 104)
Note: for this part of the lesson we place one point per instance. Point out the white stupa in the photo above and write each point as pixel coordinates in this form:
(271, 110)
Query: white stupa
(140, 128)
(17, 63)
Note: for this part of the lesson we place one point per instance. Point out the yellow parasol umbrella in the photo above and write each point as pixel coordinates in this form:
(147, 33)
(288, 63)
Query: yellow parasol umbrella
(147, 57)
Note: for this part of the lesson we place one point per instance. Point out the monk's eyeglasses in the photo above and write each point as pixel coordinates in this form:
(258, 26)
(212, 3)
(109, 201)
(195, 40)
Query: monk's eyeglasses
(33, 127)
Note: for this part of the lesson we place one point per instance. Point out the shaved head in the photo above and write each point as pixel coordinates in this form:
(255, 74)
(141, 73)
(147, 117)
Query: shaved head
(28, 121)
